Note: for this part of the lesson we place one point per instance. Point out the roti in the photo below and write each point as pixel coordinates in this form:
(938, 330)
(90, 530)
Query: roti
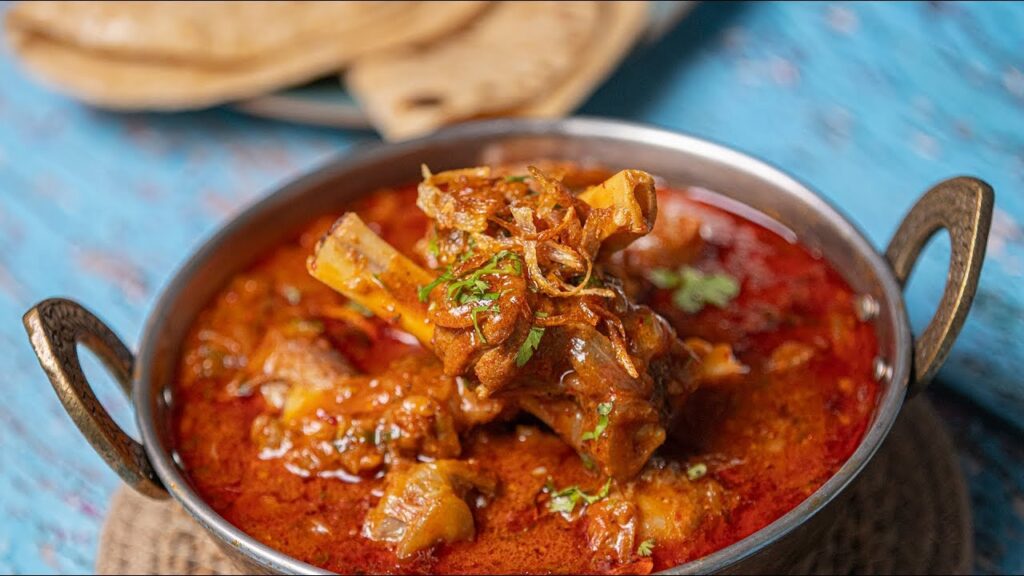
(107, 80)
(622, 25)
(200, 32)
(510, 55)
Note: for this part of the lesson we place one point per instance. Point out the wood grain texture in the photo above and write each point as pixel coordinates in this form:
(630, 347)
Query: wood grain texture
(870, 104)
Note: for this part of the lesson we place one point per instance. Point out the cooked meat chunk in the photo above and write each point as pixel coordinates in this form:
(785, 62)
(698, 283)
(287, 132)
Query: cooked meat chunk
(473, 391)
(612, 529)
(521, 301)
(665, 503)
(673, 502)
(426, 504)
(524, 306)
(323, 419)
(295, 354)
(596, 406)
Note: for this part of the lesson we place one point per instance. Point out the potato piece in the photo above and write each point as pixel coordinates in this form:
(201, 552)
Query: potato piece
(673, 507)
(425, 505)
(298, 371)
(612, 529)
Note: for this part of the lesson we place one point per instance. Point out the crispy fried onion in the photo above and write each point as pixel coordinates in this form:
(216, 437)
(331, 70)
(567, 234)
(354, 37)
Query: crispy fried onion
(568, 259)
(468, 203)
(557, 235)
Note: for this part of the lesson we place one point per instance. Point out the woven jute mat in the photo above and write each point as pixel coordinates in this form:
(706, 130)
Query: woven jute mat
(908, 514)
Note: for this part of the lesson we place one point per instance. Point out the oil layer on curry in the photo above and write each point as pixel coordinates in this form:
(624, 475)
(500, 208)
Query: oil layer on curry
(546, 368)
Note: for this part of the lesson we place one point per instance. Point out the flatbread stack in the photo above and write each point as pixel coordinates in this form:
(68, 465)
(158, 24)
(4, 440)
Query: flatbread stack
(173, 56)
(412, 66)
(516, 59)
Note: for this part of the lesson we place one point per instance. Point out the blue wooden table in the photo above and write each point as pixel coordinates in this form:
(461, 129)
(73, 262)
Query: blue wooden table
(869, 104)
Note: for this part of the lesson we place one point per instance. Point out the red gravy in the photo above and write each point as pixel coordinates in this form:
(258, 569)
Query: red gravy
(767, 441)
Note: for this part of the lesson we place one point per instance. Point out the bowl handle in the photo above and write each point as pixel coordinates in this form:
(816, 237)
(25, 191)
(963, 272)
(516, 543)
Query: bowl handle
(55, 327)
(963, 207)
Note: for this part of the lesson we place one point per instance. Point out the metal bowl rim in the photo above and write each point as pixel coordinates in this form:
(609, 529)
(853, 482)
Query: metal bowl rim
(625, 133)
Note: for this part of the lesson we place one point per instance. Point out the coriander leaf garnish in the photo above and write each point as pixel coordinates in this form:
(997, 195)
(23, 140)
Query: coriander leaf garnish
(472, 283)
(603, 410)
(697, 471)
(471, 288)
(468, 290)
(664, 278)
(564, 501)
(693, 289)
(700, 289)
(492, 308)
(529, 345)
(516, 178)
(424, 291)
(646, 548)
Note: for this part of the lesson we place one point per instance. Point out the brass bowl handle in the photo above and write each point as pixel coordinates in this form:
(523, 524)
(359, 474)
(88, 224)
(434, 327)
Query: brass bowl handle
(55, 327)
(963, 207)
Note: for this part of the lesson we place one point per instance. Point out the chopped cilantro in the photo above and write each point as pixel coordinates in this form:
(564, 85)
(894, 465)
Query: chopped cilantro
(529, 345)
(424, 291)
(471, 288)
(693, 289)
(492, 308)
(516, 178)
(474, 285)
(664, 278)
(697, 471)
(532, 341)
(603, 410)
(468, 290)
(646, 548)
(564, 501)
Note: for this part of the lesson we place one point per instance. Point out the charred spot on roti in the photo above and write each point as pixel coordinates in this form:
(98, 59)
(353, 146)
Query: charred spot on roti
(424, 101)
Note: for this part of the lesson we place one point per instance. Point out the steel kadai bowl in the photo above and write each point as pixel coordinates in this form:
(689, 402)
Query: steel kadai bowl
(904, 365)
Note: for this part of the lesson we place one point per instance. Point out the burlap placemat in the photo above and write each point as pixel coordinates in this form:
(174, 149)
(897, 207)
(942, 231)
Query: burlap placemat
(908, 514)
